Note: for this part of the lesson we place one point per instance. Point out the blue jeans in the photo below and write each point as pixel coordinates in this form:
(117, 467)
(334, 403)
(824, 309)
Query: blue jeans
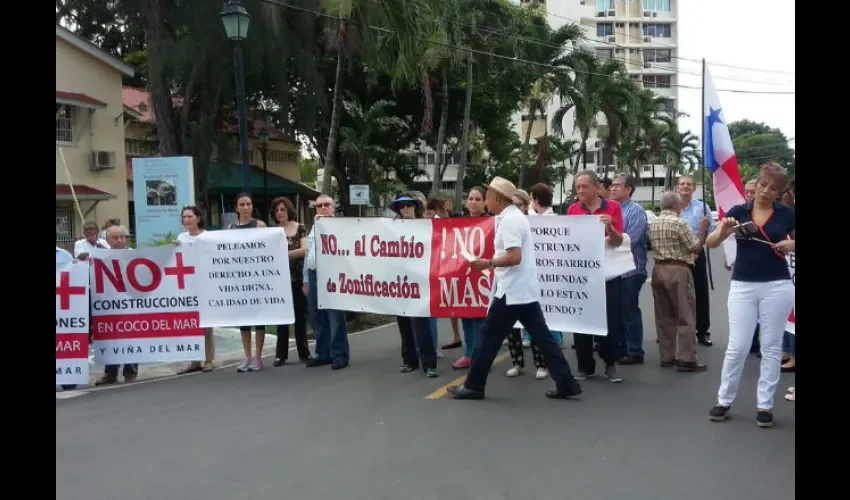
(471, 333)
(789, 344)
(329, 327)
(631, 343)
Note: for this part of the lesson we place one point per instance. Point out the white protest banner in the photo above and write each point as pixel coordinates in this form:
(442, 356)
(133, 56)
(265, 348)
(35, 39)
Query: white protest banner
(415, 268)
(244, 278)
(374, 265)
(791, 325)
(570, 268)
(145, 306)
(72, 323)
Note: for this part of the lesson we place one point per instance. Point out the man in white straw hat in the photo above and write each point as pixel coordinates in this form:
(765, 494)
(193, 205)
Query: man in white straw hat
(516, 297)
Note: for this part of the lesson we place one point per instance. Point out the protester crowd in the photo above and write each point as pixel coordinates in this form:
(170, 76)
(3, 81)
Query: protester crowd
(761, 295)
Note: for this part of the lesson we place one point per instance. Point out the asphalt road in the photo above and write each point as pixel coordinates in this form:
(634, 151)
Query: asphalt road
(369, 433)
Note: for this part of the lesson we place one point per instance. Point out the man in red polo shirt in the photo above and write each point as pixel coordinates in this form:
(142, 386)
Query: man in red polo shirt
(591, 203)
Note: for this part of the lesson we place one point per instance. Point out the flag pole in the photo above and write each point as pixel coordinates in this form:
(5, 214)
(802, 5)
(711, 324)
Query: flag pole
(704, 203)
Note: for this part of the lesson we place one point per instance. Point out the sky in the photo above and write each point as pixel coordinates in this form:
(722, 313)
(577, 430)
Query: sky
(748, 33)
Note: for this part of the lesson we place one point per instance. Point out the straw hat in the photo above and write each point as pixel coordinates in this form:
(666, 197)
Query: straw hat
(503, 186)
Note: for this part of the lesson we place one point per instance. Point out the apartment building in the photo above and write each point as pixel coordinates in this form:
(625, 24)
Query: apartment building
(641, 33)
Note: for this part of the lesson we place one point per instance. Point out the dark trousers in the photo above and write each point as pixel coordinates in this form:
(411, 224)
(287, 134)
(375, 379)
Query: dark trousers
(417, 332)
(299, 304)
(631, 342)
(111, 371)
(517, 355)
(700, 271)
(608, 345)
(500, 320)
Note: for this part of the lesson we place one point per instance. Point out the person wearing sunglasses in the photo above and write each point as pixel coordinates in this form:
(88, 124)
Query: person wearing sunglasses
(417, 345)
(330, 329)
(761, 290)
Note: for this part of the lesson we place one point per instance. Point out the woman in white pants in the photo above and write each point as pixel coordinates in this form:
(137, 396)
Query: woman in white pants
(761, 291)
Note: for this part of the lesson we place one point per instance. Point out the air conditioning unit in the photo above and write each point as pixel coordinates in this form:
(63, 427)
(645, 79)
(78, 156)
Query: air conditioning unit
(655, 14)
(612, 13)
(601, 13)
(647, 13)
(101, 160)
(612, 39)
(647, 39)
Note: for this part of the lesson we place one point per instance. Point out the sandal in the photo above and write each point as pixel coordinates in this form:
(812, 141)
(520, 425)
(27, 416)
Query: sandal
(208, 367)
(453, 345)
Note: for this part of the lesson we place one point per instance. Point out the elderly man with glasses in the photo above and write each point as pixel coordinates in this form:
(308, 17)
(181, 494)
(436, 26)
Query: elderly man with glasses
(329, 327)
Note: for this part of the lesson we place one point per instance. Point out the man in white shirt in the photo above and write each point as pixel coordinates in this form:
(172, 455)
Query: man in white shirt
(116, 237)
(329, 325)
(516, 298)
(83, 247)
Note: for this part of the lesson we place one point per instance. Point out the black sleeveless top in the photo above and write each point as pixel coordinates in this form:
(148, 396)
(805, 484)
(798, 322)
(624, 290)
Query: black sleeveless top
(251, 224)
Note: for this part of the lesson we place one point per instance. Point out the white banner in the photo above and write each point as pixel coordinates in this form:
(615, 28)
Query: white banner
(145, 306)
(72, 323)
(570, 268)
(244, 278)
(374, 265)
(410, 267)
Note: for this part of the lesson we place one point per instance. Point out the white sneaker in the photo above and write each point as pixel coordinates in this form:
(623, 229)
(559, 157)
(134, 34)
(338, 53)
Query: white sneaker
(440, 355)
(255, 365)
(514, 371)
(541, 374)
(244, 366)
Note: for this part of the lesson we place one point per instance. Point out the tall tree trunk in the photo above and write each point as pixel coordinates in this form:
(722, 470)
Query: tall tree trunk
(163, 108)
(523, 165)
(336, 112)
(437, 177)
(653, 185)
(467, 118)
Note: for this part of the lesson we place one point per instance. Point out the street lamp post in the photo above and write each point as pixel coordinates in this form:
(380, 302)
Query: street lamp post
(235, 18)
(264, 149)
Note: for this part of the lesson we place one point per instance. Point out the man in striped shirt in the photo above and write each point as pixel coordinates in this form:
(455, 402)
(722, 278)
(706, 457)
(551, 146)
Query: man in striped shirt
(634, 223)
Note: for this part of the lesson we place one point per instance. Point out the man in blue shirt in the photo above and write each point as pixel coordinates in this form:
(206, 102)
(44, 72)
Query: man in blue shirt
(693, 212)
(634, 224)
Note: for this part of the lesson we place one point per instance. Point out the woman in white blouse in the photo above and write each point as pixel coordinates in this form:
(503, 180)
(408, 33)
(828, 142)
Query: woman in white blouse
(193, 221)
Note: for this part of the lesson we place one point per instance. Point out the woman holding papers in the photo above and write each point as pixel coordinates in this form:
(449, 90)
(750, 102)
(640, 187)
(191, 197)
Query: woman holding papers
(761, 290)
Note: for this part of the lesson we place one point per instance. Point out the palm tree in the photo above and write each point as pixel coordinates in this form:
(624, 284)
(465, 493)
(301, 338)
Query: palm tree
(389, 33)
(680, 148)
(553, 49)
(590, 86)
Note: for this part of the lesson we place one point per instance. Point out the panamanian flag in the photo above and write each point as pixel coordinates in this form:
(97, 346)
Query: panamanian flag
(720, 159)
(719, 153)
